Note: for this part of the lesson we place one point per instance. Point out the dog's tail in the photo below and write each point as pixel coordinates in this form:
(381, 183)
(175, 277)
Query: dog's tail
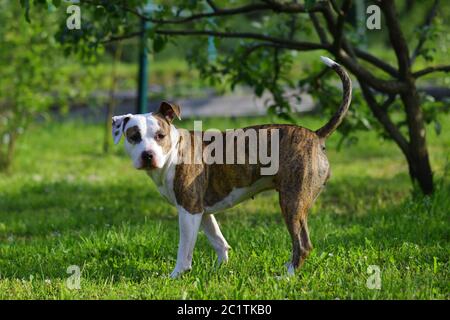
(337, 118)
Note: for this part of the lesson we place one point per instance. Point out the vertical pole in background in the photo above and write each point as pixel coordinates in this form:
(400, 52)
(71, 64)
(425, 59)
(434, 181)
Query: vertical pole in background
(357, 18)
(143, 65)
(361, 22)
(212, 51)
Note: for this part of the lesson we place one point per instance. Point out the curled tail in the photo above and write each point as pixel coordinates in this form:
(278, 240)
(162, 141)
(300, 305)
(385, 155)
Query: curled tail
(337, 118)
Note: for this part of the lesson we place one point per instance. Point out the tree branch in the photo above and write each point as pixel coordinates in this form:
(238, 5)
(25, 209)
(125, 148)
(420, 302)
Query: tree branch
(212, 5)
(423, 37)
(320, 31)
(122, 37)
(125, 8)
(284, 43)
(384, 119)
(340, 24)
(388, 102)
(390, 87)
(193, 17)
(293, 7)
(347, 56)
(336, 8)
(332, 27)
(355, 51)
(257, 46)
(396, 37)
(376, 62)
(428, 70)
(267, 5)
(216, 13)
(385, 86)
(276, 42)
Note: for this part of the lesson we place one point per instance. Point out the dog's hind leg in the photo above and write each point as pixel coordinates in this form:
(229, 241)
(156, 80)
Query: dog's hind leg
(304, 234)
(215, 237)
(295, 211)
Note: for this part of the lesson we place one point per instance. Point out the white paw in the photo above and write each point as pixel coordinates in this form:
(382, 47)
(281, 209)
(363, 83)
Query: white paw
(290, 269)
(222, 258)
(178, 272)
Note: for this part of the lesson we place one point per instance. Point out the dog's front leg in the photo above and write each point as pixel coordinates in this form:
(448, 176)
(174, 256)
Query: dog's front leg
(189, 225)
(215, 237)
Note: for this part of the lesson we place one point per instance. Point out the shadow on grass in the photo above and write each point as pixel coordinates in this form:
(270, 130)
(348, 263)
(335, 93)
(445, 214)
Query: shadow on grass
(42, 208)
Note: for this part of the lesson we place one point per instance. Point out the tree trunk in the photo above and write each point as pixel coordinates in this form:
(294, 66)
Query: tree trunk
(11, 149)
(414, 150)
(418, 160)
(7, 157)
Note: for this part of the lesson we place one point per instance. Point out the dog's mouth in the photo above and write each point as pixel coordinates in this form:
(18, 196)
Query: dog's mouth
(148, 165)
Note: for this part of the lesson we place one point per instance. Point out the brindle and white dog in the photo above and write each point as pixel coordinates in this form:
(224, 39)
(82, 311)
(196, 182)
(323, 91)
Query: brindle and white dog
(198, 190)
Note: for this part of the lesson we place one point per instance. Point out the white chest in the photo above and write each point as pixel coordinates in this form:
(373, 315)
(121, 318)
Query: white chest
(164, 180)
(166, 189)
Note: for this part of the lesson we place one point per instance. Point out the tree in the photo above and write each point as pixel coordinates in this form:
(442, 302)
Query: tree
(259, 55)
(35, 75)
(29, 75)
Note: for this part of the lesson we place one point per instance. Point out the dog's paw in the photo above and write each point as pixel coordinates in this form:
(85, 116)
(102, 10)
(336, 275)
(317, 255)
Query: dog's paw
(290, 268)
(178, 272)
(222, 258)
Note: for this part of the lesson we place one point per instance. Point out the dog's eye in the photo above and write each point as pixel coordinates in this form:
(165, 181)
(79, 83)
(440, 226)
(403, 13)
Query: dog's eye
(160, 136)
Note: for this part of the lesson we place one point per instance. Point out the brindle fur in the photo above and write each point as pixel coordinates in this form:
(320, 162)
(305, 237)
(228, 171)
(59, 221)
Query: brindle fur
(302, 174)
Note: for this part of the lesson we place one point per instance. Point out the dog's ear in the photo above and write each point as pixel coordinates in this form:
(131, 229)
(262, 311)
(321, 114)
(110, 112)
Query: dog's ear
(170, 110)
(118, 126)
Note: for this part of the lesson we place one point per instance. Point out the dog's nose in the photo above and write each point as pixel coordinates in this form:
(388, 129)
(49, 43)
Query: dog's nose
(147, 156)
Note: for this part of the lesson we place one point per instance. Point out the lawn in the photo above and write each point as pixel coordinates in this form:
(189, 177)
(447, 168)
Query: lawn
(65, 203)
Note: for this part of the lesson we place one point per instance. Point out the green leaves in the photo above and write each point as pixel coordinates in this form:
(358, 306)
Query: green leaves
(26, 6)
(159, 42)
(309, 4)
(433, 109)
(35, 76)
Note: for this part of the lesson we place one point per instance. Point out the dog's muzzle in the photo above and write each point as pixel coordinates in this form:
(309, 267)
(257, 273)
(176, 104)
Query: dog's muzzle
(148, 160)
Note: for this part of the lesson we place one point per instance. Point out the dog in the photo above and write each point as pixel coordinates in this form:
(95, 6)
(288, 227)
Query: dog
(199, 189)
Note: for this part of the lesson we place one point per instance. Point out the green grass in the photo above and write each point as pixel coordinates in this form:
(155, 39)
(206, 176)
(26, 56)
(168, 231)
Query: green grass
(65, 203)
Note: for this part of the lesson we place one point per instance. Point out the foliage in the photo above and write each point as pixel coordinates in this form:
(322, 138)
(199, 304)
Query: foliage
(35, 76)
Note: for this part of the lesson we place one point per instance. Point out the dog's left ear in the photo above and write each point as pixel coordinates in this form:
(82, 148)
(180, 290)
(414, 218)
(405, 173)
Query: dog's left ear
(118, 126)
(170, 110)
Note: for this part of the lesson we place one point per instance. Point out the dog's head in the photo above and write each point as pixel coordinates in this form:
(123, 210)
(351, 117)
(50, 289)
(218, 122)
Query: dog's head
(149, 137)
